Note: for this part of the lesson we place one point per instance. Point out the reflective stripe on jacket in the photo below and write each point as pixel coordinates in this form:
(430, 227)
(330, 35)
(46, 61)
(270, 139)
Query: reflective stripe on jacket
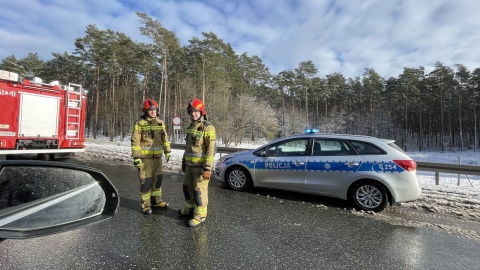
(200, 145)
(149, 138)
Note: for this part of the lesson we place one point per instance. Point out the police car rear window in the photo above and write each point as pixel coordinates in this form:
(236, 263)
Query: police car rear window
(393, 145)
(364, 148)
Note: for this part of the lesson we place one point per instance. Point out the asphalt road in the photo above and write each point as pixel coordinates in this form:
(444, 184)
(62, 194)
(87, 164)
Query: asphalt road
(259, 229)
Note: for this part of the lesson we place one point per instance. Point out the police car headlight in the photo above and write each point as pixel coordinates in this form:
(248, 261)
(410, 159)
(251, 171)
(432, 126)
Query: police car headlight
(223, 159)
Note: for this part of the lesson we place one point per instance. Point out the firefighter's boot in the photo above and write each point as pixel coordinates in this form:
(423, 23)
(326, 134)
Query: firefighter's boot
(161, 204)
(146, 204)
(147, 211)
(157, 202)
(195, 221)
(186, 212)
(200, 196)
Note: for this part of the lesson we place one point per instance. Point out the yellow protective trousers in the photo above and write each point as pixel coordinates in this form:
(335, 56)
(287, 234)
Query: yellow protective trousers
(150, 176)
(195, 191)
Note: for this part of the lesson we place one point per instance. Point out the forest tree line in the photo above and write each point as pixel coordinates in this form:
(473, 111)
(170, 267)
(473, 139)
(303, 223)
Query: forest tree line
(245, 102)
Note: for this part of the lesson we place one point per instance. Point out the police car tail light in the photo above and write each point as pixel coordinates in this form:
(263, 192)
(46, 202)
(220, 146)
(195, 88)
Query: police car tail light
(408, 165)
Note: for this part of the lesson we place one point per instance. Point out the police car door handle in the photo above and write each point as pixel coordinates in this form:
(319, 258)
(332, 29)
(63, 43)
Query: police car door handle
(299, 163)
(351, 164)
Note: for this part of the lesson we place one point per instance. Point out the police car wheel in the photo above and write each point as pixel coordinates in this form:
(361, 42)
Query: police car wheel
(369, 196)
(238, 178)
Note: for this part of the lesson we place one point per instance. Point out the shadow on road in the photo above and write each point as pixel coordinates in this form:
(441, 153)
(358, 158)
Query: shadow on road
(134, 205)
(296, 196)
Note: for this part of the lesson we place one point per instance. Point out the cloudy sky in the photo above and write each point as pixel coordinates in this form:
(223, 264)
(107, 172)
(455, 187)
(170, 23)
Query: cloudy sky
(344, 36)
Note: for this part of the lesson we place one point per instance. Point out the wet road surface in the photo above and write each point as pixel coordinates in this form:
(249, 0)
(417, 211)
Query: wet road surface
(253, 230)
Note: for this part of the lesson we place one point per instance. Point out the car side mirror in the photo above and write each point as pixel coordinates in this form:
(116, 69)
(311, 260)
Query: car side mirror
(39, 198)
(263, 153)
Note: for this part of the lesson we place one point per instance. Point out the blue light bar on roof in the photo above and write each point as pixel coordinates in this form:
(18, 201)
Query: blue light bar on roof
(311, 130)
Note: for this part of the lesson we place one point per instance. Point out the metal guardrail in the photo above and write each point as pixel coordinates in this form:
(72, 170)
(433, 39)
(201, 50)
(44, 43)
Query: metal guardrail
(448, 168)
(437, 168)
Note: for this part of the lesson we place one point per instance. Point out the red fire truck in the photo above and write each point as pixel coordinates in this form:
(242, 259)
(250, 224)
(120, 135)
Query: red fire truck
(47, 119)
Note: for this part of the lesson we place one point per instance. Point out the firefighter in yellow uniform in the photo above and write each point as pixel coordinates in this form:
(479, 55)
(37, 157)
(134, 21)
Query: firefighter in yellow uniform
(197, 163)
(149, 143)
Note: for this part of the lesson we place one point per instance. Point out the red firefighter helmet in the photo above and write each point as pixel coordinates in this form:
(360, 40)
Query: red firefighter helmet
(197, 105)
(148, 105)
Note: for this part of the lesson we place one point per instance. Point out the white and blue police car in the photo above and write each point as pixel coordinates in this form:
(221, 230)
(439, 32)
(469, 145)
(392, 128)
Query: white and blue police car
(367, 171)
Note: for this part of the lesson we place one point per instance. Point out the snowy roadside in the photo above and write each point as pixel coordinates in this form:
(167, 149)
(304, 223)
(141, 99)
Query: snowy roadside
(447, 206)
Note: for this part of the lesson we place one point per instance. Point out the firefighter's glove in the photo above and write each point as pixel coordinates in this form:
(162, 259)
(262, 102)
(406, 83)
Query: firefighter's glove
(184, 167)
(167, 156)
(206, 175)
(137, 162)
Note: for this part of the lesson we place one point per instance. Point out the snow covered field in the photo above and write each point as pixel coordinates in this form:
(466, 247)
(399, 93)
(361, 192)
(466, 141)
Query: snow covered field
(456, 208)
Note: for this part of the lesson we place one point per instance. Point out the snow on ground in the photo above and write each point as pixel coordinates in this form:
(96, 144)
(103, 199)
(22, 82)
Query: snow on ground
(454, 205)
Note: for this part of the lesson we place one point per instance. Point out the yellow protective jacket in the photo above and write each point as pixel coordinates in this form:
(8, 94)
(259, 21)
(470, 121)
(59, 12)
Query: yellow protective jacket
(200, 145)
(149, 138)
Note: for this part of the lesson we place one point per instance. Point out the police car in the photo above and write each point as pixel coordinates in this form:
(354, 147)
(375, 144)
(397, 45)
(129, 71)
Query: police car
(367, 171)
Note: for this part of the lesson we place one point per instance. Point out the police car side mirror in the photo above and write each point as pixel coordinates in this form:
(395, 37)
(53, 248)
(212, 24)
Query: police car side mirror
(39, 198)
(263, 153)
